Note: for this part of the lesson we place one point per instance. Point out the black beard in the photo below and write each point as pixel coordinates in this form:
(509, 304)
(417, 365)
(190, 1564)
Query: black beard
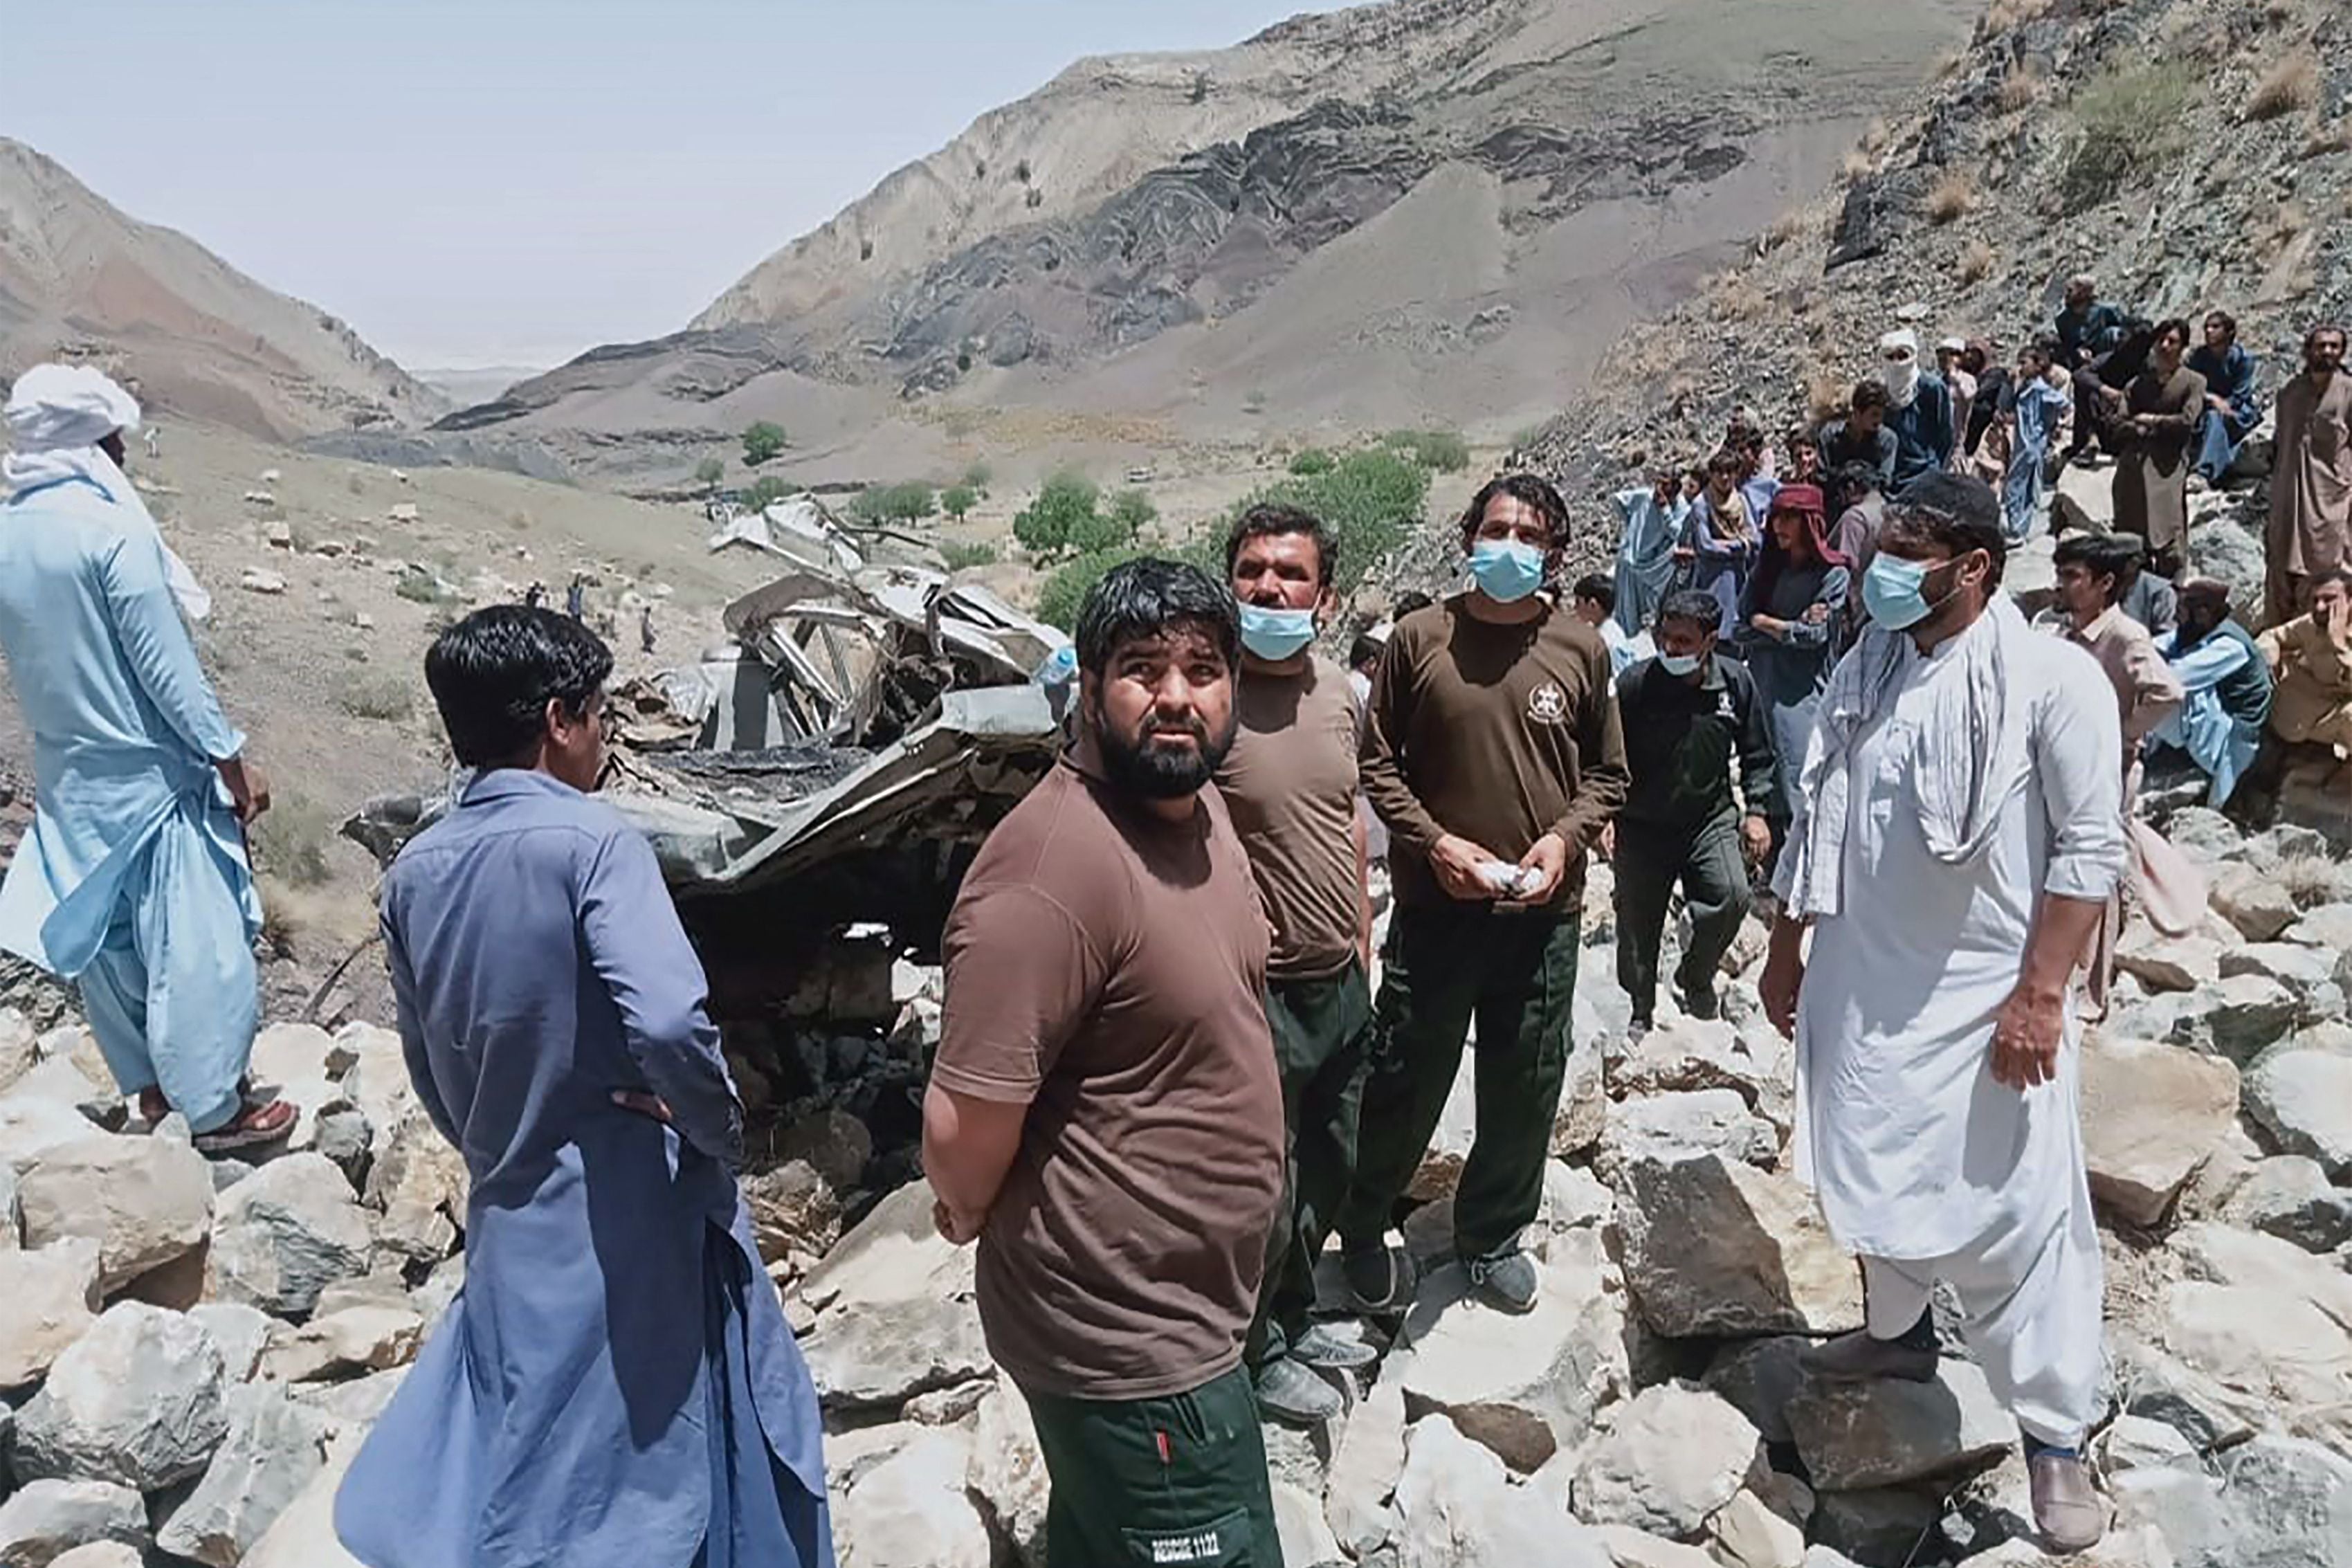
(1152, 774)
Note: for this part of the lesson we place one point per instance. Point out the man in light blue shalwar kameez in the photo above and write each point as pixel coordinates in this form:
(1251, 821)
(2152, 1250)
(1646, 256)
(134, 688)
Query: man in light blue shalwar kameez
(133, 882)
(614, 1384)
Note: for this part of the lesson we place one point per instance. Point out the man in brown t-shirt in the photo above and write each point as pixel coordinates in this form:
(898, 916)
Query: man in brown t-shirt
(1493, 753)
(1290, 783)
(1105, 1116)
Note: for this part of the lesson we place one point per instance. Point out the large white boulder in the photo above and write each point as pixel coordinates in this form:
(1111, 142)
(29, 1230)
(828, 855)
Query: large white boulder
(48, 1300)
(136, 1401)
(44, 1520)
(2303, 1099)
(1457, 1508)
(286, 1233)
(2152, 1116)
(1715, 1247)
(1674, 1456)
(897, 1311)
(913, 1508)
(146, 1202)
(273, 1448)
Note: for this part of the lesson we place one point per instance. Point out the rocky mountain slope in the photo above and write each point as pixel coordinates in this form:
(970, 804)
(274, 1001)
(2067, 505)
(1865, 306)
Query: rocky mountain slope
(2193, 153)
(1416, 208)
(204, 340)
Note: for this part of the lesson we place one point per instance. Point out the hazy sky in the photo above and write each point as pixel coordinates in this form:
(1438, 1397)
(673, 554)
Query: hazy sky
(478, 182)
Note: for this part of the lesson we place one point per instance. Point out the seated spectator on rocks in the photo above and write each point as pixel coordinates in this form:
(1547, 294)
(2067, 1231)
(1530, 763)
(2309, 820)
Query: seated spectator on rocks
(2142, 595)
(1992, 387)
(2231, 408)
(2099, 392)
(1861, 437)
(2085, 330)
(1919, 410)
(2310, 659)
(1803, 466)
(2227, 683)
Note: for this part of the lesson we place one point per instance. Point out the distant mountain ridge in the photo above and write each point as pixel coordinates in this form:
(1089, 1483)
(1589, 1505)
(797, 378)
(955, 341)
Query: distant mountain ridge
(80, 279)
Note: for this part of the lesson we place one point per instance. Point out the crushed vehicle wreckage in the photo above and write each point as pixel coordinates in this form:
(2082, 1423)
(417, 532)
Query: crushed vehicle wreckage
(814, 792)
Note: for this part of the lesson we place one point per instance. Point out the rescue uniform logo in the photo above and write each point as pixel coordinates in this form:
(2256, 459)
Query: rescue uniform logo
(1723, 706)
(1547, 704)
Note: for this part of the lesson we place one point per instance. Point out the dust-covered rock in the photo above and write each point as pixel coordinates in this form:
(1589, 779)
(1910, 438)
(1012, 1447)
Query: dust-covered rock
(44, 1520)
(48, 1300)
(286, 1232)
(1456, 1508)
(146, 1201)
(137, 1401)
(2302, 1098)
(273, 1448)
(1674, 1456)
(2152, 1115)
(1007, 1473)
(897, 1313)
(1856, 1436)
(1675, 1124)
(913, 1508)
(1714, 1247)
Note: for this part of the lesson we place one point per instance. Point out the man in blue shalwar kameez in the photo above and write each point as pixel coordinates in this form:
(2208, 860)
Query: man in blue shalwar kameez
(133, 882)
(614, 1385)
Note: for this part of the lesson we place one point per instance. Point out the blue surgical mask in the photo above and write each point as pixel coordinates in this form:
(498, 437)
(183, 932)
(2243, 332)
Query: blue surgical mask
(1891, 591)
(1505, 569)
(1679, 663)
(1275, 635)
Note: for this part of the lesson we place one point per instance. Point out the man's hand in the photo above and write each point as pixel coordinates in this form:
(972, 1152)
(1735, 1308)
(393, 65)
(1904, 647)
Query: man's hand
(1547, 858)
(955, 1227)
(2025, 1036)
(1608, 843)
(248, 788)
(1756, 838)
(1783, 977)
(2335, 621)
(643, 1104)
(1816, 614)
(2217, 405)
(1455, 863)
(1769, 625)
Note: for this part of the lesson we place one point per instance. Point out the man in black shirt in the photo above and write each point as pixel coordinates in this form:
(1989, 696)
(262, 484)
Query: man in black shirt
(1687, 714)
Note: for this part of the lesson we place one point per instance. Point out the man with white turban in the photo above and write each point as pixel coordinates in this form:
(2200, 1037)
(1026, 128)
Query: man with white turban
(1919, 410)
(134, 881)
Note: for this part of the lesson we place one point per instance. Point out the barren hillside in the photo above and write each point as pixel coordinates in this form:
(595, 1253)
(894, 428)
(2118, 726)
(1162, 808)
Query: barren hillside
(1425, 209)
(204, 340)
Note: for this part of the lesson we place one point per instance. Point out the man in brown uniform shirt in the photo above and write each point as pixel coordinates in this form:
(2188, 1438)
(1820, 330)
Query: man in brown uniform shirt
(1290, 785)
(1493, 754)
(1104, 1114)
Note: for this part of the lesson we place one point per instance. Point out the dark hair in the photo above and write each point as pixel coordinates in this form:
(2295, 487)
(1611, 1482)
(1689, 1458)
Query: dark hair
(2331, 575)
(1271, 519)
(494, 673)
(2319, 330)
(1692, 605)
(2171, 325)
(1601, 590)
(1725, 460)
(1801, 436)
(1409, 601)
(1531, 491)
(1868, 392)
(1957, 511)
(2100, 554)
(1856, 477)
(2040, 352)
(1148, 598)
(2228, 323)
(1365, 649)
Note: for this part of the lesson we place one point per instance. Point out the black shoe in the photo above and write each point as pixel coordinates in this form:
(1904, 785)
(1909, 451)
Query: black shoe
(1377, 1280)
(1288, 1392)
(1703, 1004)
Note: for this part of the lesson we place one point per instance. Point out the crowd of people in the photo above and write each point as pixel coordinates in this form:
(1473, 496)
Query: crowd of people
(1173, 1071)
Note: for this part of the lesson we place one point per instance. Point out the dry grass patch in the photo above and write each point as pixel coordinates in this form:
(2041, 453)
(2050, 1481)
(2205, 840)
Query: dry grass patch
(2003, 15)
(2020, 88)
(1856, 163)
(1739, 299)
(2291, 84)
(1951, 195)
(1826, 395)
(1975, 263)
(2326, 138)
(2311, 880)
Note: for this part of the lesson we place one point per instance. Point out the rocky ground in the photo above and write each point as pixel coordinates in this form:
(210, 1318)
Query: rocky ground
(190, 1349)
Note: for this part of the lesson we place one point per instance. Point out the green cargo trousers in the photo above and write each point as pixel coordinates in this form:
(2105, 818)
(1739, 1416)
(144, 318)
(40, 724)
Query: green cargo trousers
(1321, 1031)
(1708, 862)
(1515, 974)
(1178, 1483)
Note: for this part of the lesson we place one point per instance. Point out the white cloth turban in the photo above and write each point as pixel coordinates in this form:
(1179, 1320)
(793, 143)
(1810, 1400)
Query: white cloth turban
(54, 407)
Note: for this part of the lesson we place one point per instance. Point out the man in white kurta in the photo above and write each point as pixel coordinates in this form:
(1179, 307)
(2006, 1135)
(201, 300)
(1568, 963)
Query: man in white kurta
(1963, 830)
(133, 881)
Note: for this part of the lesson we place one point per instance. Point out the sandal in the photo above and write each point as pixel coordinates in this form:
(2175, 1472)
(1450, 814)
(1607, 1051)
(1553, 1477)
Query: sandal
(256, 1122)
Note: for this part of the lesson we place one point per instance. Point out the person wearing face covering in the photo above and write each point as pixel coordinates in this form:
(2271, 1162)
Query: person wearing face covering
(1960, 831)
(1289, 782)
(1919, 410)
(1493, 753)
(1789, 617)
(134, 882)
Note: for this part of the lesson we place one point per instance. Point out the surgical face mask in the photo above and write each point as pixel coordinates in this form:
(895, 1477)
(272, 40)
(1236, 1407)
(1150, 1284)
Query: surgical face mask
(1275, 635)
(1679, 663)
(1505, 569)
(1893, 592)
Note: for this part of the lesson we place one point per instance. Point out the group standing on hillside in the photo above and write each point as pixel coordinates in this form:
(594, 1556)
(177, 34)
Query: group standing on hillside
(1173, 1070)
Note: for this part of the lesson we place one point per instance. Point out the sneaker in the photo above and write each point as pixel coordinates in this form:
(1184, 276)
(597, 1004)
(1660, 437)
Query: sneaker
(1327, 1349)
(1703, 1003)
(1503, 1278)
(1858, 1358)
(2066, 1506)
(1288, 1392)
(1377, 1281)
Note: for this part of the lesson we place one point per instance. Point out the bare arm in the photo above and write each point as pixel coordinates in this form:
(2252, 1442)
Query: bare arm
(968, 1146)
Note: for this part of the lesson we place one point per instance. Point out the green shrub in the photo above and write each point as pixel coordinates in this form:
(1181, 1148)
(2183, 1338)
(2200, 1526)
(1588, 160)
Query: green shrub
(977, 477)
(961, 556)
(421, 588)
(376, 696)
(763, 442)
(907, 502)
(289, 841)
(765, 491)
(1368, 500)
(1062, 519)
(1065, 590)
(1310, 461)
(2128, 126)
(1132, 511)
(956, 500)
(709, 472)
(1442, 451)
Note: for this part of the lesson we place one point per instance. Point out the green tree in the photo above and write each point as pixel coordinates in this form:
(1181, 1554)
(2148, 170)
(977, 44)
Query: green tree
(1132, 511)
(1441, 450)
(765, 491)
(709, 472)
(1371, 500)
(959, 555)
(1063, 518)
(905, 502)
(977, 477)
(763, 442)
(1064, 593)
(956, 500)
